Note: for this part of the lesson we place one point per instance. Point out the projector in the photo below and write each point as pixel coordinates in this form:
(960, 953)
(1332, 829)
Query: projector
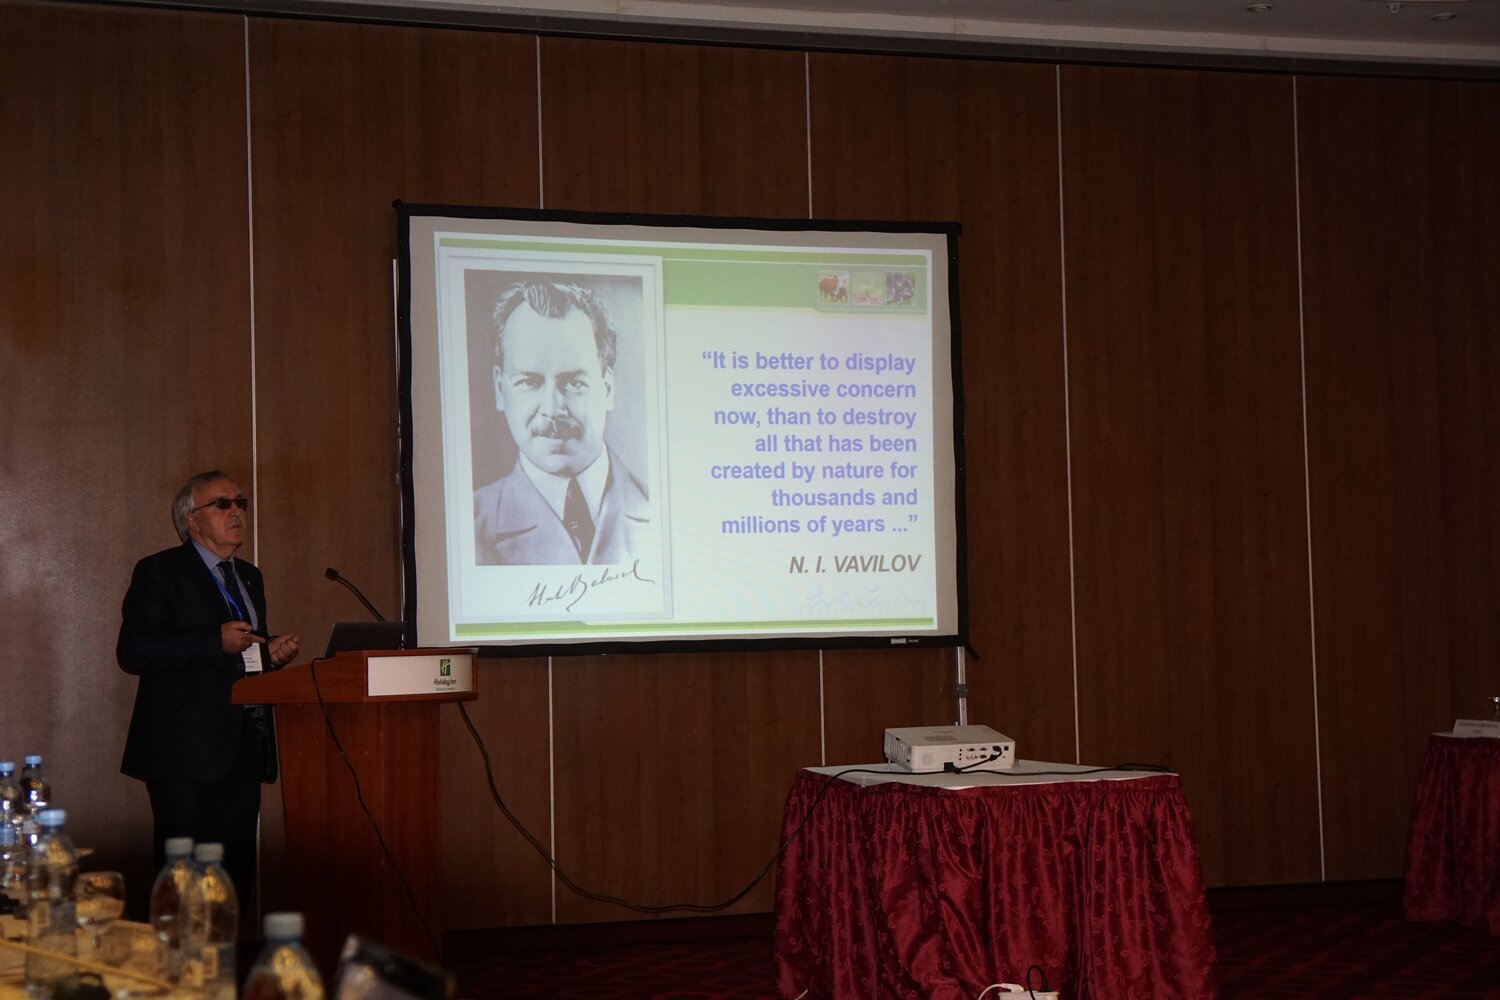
(934, 748)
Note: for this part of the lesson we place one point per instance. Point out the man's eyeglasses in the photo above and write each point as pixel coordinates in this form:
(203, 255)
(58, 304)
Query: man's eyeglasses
(224, 503)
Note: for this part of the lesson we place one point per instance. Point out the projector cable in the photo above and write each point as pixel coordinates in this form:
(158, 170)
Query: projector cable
(601, 897)
(952, 768)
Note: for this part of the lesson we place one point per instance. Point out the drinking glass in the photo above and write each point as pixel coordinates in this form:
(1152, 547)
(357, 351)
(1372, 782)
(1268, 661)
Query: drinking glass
(100, 900)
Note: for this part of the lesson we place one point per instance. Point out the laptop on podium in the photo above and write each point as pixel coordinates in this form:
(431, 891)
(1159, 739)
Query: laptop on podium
(346, 636)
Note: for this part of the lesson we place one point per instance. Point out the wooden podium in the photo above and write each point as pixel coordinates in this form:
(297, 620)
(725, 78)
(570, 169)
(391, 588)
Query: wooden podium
(338, 874)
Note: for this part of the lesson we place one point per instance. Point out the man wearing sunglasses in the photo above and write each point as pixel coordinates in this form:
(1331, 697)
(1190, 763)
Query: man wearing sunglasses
(193, 622)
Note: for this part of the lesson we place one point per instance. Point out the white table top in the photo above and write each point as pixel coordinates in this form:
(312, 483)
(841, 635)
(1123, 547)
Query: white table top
(1026, 772)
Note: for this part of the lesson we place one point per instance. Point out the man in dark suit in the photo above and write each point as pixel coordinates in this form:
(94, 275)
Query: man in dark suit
(193, 622)
(569, 499)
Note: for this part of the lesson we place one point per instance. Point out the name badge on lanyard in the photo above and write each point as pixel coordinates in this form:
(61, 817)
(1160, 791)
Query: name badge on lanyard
(254, 658)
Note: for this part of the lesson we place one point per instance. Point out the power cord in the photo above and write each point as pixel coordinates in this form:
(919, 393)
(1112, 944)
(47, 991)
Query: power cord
(531, 838)
(359, 795)
(586, 893)
(1011, 988)
(951, 768)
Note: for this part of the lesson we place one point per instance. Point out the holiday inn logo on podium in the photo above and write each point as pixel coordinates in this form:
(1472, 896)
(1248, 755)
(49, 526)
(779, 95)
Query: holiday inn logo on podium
(416, 673)
(443, 680)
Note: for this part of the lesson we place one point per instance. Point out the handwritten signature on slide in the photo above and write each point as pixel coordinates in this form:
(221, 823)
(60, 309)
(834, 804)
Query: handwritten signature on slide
(574, 590)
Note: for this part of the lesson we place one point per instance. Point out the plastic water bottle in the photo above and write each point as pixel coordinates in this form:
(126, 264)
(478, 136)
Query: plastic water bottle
(12, 798)
(13, 843)
(284, 970)
(51, 871)
(12, 871)
(37, 793)
(166, 904)
(209, 919)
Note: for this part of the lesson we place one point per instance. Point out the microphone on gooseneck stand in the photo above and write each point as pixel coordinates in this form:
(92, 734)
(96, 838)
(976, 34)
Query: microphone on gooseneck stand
(333, 575)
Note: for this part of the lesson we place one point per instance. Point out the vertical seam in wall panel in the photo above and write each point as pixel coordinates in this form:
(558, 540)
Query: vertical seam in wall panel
(541, 191)
(807, 140)
(250, 239)
(807, 128)
(822, 717)
(254, 458)
(1312, 610)
(551, 795)
(541, 175)
(1062, 258)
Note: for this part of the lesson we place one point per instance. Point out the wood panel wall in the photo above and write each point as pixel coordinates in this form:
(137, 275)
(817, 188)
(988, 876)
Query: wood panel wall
(897, 138)
(1401, 241)
(665, 787)
(343, 120)
(126, 356)
(1230, 398)
(1189, 507)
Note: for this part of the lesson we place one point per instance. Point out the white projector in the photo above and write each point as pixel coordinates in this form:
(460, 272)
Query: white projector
(934, 748)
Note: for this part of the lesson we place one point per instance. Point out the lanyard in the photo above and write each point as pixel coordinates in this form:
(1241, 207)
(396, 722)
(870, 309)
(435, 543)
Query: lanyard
(234, 605)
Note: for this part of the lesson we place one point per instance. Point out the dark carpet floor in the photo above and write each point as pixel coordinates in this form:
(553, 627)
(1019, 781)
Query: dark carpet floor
(1335, 942)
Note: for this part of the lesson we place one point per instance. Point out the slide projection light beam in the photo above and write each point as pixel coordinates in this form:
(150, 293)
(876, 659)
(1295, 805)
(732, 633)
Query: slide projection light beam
(637, 431)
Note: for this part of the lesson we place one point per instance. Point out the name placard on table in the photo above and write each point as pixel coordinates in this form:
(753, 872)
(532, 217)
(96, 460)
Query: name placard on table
(1476, 728)
(436, 673)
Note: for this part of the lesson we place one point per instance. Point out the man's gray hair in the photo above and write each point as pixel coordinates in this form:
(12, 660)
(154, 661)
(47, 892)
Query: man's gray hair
(182, 503)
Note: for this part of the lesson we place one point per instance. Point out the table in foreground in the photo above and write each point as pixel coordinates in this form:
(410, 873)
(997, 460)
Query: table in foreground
(1453, 846)
(932, 887)
(128, 943)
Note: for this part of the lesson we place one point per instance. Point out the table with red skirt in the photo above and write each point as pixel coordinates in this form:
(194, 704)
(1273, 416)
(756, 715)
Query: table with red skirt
(1453, 843)
(932, 887)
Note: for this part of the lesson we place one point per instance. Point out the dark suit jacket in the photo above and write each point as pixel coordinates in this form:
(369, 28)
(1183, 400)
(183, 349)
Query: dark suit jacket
(184, 727)
(514, 526)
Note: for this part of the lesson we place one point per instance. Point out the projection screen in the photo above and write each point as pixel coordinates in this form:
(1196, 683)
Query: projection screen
(626, 432)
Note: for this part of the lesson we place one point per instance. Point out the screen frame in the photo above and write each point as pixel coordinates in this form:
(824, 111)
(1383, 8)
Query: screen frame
(950, 231)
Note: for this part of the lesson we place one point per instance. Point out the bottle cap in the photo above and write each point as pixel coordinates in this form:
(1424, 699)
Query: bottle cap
(283, 926)
(208, 853)
(7, 766)
(178, 847)
(33, 760)
(52, 817)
